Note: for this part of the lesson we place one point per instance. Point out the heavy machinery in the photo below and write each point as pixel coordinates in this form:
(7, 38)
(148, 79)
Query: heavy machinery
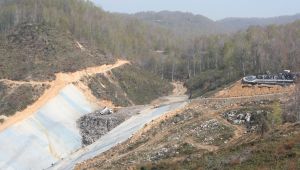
(284, 78)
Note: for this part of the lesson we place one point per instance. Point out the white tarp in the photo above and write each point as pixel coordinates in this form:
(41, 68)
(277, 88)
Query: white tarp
(48, 135)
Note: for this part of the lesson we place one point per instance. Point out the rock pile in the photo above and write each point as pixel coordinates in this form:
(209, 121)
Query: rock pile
(94, 125)
(252, 119)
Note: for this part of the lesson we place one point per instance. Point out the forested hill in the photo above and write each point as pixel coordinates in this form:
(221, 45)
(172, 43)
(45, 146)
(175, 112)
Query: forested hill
(218, 60)
(120, 35)
(58, 24)
(235, 24)
(160, 47)
(184, 24)
(188, 24)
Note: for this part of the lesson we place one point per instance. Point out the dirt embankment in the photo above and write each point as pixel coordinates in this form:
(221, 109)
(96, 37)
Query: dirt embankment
(239, 90)
(179, 88)
(62, 80)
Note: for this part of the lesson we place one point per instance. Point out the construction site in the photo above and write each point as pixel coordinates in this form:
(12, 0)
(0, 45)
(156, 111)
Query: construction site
(84, 88)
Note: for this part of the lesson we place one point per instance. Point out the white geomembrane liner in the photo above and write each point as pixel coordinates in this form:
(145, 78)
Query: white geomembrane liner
(48, 135)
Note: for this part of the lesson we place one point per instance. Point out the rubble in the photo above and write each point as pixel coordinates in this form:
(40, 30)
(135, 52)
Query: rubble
(250, 118)
(94, 125)
(210, 124)
(211, 132)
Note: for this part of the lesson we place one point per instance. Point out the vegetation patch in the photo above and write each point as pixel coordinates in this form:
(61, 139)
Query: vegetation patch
(210, 132)
(274, 152)
(102, 88)
(206, 82)
(276, 116)
(141, 86)
(18, 97)
(128, 85)
(279, 150)
(33, 51)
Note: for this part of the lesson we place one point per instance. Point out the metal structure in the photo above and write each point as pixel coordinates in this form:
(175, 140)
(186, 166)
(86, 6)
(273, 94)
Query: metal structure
(106, 111)
(284, 78)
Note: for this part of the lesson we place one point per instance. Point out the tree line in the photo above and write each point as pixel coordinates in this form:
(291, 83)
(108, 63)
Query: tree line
(120, 35)
(201, 61)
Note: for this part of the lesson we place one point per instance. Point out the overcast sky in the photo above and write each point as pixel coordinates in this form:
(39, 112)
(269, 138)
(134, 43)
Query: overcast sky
(214, 9)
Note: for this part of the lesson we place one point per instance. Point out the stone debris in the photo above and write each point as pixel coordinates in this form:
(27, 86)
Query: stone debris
(94, 125)
(210, 124)
(250, 118)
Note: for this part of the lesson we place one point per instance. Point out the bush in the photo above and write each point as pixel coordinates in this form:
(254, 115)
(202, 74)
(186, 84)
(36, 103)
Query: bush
(206, 81)
(13, 99)
(129, 84)
(141, 86)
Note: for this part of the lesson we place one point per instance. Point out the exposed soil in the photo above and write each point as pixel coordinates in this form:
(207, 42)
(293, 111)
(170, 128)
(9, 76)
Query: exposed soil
(238, 90)
(179, 88)
(62, 80)
(12, 82)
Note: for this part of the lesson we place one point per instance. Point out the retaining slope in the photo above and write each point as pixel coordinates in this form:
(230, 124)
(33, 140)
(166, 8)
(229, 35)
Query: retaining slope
(48, 135)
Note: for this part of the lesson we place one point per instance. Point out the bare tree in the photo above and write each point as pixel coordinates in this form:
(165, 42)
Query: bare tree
(297, 100)
(173, 70)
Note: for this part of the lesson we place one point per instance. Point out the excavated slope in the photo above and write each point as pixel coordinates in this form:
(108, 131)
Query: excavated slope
(239, 90)
(46, 136)
(46, 131)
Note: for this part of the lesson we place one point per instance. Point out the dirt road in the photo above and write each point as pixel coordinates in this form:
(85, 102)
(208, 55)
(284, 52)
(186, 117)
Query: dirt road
(62, 80)
(6, 81)
(179, 88)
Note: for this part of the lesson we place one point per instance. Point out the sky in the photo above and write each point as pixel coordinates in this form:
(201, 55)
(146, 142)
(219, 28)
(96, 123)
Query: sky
(213, 9)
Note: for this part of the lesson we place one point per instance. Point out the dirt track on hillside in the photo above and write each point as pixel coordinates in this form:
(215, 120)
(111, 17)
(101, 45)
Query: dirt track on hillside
(179, 88)
(62, 80)
(239, 90)
(9, 82)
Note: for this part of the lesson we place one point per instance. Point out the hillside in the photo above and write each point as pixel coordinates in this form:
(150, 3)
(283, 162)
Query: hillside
(32, 54)
(188, 24)
(120, 35)
(127, 85)
(210, 133)
(237, 24)
(16, 97)
(32, 51)
(182, 24)
(35, 47)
